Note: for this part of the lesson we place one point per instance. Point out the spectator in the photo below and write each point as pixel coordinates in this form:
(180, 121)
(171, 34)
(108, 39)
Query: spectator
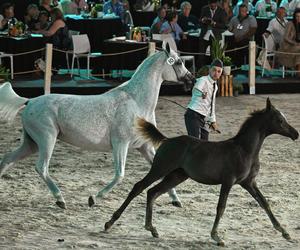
(170, 26)
(7, 15)
(225, 5)
(43, 21)
(185, 20)
(243, 27)
(114, 6)
(247, 3)
(290, 6)
(277, 26)
(213, 20)
(32, 16)
(261, 7)
(291, 44)
(200, 114)
(159, 20)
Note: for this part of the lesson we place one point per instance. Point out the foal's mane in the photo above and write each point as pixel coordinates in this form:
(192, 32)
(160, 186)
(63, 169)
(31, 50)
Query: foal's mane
(254, 117)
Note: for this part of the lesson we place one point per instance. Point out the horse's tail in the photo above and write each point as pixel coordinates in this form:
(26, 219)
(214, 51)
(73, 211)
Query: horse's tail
(10, 102)
(150, 132)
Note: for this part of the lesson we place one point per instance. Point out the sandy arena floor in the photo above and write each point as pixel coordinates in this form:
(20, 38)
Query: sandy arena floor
(29, 218)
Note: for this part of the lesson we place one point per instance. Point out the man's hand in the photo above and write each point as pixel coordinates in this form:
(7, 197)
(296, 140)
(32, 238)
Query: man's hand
(204, 95)
(215, 127)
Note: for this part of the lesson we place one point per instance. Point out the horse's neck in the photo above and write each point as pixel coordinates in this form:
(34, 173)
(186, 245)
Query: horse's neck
(145, 84)
(251, 137)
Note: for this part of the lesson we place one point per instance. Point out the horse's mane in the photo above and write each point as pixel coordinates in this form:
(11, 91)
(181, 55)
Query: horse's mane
(255, 116)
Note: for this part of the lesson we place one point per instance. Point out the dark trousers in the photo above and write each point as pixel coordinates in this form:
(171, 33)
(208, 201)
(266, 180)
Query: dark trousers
(195, 124)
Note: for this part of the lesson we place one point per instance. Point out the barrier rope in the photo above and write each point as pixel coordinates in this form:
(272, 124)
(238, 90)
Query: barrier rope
(279, 52)
(27, 52)
(109, 54)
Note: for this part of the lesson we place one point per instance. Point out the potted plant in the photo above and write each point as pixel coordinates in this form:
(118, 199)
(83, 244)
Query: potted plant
(237, 88)
(217, 50)
(203, 71)
(97, 10)
(269, 10)
(227, 62)
(4, 74)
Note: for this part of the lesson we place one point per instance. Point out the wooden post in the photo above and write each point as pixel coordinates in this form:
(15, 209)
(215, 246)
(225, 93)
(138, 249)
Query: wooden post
(151, 49)
(252, 50)
(225, 85)
(48, 71)
(231, 85)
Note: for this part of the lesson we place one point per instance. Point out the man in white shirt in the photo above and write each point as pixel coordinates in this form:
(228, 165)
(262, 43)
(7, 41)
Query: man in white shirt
(201, 109)
(277, 25)
(261, 7)
(290, 6)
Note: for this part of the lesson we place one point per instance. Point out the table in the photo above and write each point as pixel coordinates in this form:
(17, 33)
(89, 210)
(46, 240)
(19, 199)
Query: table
(97, 29)
(15, 45)
(128, 61)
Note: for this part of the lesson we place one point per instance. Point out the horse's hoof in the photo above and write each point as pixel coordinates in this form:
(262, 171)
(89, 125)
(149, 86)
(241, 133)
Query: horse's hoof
(286, 236)
(61, 204)
(221, 243)
(92, 201)
(154, 233)
(107, 226)
(176, 204)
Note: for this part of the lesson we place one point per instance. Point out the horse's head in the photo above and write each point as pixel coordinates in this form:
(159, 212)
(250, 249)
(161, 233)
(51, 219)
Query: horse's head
(278, 123)
(175, 71)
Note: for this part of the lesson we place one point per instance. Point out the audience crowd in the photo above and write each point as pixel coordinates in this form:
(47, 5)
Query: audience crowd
(238, 17)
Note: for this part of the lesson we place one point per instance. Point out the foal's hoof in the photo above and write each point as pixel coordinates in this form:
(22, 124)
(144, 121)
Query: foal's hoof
(92, 201)
(61, 204)
(221, 243)
(154, 233)
(107, 226)
(176, 204)
(286, 236)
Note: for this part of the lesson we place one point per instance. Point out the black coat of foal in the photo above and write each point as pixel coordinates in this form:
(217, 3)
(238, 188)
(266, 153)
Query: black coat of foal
(230, 162)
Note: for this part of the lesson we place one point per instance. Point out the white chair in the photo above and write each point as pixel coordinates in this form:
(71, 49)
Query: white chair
(82, 48)
(170, 40)
(10, 56)
(71, 33)
(270, 48)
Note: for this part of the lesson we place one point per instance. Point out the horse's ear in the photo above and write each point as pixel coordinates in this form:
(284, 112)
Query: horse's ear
(268, 104)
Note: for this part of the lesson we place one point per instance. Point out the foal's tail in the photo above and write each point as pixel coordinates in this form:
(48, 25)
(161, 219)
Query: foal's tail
(150, 132)
(10, 102)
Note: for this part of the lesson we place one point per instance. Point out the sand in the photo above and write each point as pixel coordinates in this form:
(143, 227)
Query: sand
(29, 218)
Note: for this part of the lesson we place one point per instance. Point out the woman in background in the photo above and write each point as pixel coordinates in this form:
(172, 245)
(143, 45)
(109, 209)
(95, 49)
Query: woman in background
(7, 15)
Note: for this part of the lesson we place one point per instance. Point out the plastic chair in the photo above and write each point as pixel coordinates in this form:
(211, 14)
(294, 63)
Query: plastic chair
(82, 48)
(270, 48)
(10, 56)
(71, 33)
(170, 40)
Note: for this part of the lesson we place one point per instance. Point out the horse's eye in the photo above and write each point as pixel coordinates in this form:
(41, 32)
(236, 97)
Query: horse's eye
(179, 62)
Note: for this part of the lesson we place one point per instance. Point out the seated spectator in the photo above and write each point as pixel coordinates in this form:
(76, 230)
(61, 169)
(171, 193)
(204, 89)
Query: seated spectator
(261, 7)
(32, 16)
(76, 6)
(43, 21)
(247, 3)
(243, 27)
(213, 20)
(170, 26)
(114, 6)
(225, 5)
(277, 26)
(290, 6)
(159, 20)
(7, 15)
(45, 5)
(144, 5)
(291, 44)
(185, 20)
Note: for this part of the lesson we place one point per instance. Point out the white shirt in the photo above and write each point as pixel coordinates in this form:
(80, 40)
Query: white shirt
(290, 6)
(277, 28)
(260, 7)
(204, 84)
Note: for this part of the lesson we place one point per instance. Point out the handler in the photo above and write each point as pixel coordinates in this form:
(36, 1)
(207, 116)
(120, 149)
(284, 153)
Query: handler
(200, 114)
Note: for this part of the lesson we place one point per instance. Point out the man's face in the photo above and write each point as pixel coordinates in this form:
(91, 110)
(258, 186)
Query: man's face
(213, 6)
(243, 12)
(162, 13)
(215, 72)
(186, 11)
(281, 13)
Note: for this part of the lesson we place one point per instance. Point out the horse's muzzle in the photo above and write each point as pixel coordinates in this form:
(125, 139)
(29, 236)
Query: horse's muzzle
(189, 81)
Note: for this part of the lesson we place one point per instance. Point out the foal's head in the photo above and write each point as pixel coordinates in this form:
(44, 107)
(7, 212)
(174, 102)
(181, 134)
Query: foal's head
(277, 123)
(175, 71)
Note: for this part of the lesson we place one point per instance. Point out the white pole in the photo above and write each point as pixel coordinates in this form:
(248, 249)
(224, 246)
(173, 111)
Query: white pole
(252, 53)
(151, 49)
(48, 72)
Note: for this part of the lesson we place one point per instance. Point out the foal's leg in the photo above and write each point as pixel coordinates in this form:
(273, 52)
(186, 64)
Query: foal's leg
(258, 196)
(148, 152)
(27, 148)
(119, 159)
(171, 180)
(220, 210)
